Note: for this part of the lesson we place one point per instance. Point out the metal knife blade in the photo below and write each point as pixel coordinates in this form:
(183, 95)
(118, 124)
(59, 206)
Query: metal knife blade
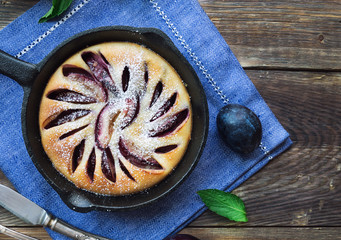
(33, 214)
(22, 207)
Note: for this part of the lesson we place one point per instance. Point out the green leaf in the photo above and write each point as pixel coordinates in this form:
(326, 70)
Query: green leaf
(58, 7)
(225, 204)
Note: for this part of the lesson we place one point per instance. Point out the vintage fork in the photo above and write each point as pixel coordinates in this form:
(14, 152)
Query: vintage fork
(14, 234)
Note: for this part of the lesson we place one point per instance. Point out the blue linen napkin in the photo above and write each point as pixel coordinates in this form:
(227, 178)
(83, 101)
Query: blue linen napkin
(185, 22)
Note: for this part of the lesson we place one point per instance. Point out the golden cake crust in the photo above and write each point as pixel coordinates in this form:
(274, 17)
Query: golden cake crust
(115, 118)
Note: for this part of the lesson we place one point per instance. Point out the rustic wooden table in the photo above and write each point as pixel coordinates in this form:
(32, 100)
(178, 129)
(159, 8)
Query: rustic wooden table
(291, 50)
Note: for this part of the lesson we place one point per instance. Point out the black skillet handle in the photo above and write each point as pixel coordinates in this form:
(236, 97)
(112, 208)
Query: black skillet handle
(77, 201)
(22, 72)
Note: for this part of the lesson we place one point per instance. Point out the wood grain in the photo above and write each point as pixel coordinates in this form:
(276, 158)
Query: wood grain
(229, 233)
(269, 233)
(280, 34)
(10, 10)
(301, 35)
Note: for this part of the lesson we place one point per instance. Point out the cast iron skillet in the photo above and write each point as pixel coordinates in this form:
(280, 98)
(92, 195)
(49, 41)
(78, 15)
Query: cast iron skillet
(33, 78)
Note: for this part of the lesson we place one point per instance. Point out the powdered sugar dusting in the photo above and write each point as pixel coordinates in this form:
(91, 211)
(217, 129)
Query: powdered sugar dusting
(120, 119)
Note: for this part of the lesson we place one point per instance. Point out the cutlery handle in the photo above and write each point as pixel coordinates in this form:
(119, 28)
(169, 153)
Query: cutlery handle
(14, 234)
(72, 232)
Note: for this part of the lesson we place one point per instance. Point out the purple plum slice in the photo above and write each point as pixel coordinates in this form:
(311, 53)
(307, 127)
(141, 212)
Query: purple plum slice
(72, 132)
(99, 67)
(131, 111)
(146, 73)
(91, 164)
(104, 59)
(157, 93)
(81, 75)
(78, 73)
(125, 78)
(104, 125)
(66, 116)
(136, 160)
(108, 165)
(165, 107)
(66, 95)
(166, 149)
(125, 170)
(171, 124)
(77, 155)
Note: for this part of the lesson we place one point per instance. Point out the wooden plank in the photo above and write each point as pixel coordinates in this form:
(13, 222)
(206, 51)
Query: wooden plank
(263, 34)
(283, 233)
(229, 233)
(10, 10)
(280, 34)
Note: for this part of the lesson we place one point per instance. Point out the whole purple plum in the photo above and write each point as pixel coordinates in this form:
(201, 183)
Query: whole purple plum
(182, 237)
(240, 128)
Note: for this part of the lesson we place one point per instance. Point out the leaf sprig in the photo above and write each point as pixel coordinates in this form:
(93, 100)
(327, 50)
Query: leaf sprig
(58, 7)
(224, 203)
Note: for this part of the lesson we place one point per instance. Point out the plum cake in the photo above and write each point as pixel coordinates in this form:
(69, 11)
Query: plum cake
(115, 118)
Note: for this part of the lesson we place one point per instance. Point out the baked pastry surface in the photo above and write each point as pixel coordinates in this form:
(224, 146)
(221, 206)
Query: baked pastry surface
(115, 118)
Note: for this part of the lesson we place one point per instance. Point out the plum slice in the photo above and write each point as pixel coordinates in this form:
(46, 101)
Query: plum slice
(136, 160)
(66, 95)
(131, 111)
(72, 132)
(78, 73)
(166, 149)
(165, 107)
(170, 125)
(99, 67)
(125, 78)
(77, 155)
(91, 164)
(81, 75)
(108, 165)
(125, 170)
(146, 74)
(65, 116)
(104, 125)
(145, 79)
(157, 93)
